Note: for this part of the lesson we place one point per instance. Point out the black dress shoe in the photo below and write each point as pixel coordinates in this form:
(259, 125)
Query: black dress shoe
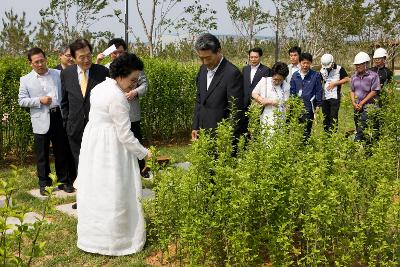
(43, 191)
(74, 206)
(68, 188)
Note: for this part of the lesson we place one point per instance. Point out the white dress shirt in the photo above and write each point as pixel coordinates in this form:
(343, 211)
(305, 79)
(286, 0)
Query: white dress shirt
(253, 70)
(211, 73)
(49, 88)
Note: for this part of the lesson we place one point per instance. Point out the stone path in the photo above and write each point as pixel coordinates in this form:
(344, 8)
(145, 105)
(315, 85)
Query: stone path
(30, 217)
(148, 193)
(183, 165)
(3, 201)
(57, 193)
(67, 208)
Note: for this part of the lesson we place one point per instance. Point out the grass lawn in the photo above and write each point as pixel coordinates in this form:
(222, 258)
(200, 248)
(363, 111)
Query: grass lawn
(60, 235)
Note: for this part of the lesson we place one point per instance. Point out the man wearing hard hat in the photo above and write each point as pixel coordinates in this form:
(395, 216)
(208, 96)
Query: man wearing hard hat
(385, 74)
(365, 86)
(333, 76)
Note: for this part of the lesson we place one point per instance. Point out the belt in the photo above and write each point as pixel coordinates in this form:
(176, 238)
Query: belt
(55, 109)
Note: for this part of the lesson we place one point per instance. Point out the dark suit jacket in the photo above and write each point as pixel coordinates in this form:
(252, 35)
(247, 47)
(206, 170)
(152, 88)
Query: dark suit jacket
(262, 71)
(75, 107)
(213, 105)
(58, 67)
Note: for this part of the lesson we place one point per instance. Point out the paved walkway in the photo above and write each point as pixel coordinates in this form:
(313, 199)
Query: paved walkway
(67, 207)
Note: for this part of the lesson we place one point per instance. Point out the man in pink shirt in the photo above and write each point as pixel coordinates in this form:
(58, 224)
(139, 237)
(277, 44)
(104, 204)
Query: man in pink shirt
(365, 86)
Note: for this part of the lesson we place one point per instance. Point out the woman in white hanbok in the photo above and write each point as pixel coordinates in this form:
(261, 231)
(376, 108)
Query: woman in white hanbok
(272, 92)
(109, 190)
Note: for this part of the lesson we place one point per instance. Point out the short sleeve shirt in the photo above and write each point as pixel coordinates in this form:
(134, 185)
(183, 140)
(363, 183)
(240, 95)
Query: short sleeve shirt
(363, 84)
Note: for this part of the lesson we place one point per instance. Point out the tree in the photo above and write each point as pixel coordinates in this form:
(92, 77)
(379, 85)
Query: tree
(163, 20)
(384, 25)
(46, 36)
(15, 37)
(249, 19)
(73, 18)
(198, 18)
(322, 26)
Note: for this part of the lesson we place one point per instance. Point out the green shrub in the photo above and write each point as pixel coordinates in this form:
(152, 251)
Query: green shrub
(19, 242)
(329, 202)
(167, 108)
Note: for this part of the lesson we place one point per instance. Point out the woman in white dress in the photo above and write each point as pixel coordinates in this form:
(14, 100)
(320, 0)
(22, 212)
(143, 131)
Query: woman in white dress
(272, 92)
(110, 216)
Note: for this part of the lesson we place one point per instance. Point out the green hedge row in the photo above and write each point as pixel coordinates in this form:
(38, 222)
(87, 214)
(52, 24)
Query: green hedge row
(280, 202)
(167, 108)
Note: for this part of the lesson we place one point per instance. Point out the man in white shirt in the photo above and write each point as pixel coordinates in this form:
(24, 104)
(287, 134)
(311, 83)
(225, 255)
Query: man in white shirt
(294, 57)
(219, 87)
(252, 74)
(40, 90)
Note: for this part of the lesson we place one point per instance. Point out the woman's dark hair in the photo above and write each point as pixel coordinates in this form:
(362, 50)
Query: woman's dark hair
(305, 56)
(281, 69)
(295, 49)
(256, 50)
(79, 44)
(123, 65)
(207, 41)
(35, 51)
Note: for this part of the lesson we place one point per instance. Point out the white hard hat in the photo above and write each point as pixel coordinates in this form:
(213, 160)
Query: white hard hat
(380, 52)
(361, 58)
(326, 61)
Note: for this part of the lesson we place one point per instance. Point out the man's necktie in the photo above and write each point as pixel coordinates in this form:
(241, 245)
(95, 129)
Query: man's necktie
(83, 83)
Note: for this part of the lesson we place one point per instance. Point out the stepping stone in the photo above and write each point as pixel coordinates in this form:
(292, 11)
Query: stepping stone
(184, 165)
(148, 193)
(30, 217)
(67, 209)
(3, 201)
(56, 193)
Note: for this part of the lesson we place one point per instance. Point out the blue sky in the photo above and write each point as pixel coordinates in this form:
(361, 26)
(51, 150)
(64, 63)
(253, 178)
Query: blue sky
(32, 7)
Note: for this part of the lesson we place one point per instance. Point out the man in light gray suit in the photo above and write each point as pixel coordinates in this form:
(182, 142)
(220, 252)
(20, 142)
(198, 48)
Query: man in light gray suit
(40, 90)
(133, 96)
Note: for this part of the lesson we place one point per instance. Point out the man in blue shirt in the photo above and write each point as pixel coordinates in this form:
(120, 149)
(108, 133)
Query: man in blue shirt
(306, 84)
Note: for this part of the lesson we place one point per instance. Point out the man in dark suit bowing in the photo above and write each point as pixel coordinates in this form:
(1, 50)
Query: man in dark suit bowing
(252, 74)
(219, 87)
(76, 83)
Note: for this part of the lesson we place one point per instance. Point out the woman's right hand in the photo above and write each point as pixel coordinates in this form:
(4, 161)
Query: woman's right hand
(267, 102)
(149, 155)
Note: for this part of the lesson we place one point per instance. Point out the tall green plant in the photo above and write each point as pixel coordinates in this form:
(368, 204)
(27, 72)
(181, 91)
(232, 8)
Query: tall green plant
(330, 201)
(20, 243)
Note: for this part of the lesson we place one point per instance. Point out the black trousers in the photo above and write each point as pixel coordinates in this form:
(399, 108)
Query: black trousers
(330, 109)
(75, 148)
(307, 118)
(135, 128)
(58, 138)
(362, 119)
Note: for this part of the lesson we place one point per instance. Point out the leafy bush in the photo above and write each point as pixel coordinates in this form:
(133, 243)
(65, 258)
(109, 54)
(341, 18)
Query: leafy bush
(15, 126)
(167, 108)
(19, 242)
(331, 201)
